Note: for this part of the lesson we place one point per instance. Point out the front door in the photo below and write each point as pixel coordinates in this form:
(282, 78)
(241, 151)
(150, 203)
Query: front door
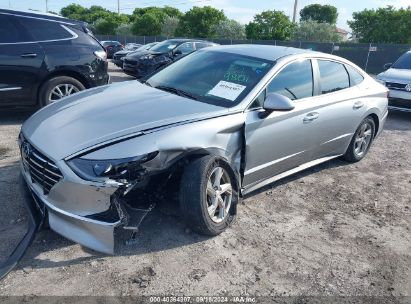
(280, 141)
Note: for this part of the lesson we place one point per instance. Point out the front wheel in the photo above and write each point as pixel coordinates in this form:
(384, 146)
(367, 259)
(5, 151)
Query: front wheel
(361, 141)
(208, 195)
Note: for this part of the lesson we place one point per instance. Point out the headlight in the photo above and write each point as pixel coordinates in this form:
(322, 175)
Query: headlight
(147, 57)
(119, 169)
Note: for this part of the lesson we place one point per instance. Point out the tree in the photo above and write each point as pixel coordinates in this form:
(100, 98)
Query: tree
(270, 25)
(229, 29)
(319, 13)
(106, 26)
(74, 11)
(124, 29)
(315, 31)
(199, 22)
(148, 24)
(384, 25)
(169, 26)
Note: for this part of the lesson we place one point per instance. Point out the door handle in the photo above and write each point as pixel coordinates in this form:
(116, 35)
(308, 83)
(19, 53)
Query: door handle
(311, 116)
(29, 55)
(358, 105)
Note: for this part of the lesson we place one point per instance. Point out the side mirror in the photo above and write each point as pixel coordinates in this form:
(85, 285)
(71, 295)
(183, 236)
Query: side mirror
(276, 102)
(387, 66)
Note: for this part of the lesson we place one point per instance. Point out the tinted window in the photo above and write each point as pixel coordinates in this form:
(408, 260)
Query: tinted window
(9, 31)
(334, 77)
(218, 78)
(355, 77)
(164, 46)
(404, 62)
(294, 81)
(42, 30)
(186, 48)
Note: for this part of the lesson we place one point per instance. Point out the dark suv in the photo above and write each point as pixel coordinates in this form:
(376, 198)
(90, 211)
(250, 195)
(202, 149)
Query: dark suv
(111, 47)
(45, 57)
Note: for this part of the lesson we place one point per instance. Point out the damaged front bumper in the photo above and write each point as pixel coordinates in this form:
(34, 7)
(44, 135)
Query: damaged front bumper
(90, 215)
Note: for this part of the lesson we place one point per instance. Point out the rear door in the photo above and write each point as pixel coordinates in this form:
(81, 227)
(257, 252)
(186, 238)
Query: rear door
(20, 61)
(340, 108)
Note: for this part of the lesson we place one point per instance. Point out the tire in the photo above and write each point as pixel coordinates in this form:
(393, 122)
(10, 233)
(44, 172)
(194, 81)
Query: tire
(195, 198)
(352, 154)
(63, 81)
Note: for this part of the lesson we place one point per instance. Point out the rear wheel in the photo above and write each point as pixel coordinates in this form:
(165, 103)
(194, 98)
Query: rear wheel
(361, 141)
(208, 195)
(58, 87)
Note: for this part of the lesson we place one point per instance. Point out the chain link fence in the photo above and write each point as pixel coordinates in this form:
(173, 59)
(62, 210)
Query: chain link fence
(370, 56)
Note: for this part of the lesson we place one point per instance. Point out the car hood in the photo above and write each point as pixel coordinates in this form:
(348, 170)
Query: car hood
(103, 114)
(396, 75)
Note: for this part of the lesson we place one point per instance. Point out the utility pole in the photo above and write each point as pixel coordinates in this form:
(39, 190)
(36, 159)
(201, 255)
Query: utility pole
(118, 6)
(47, 6)
(295, 10)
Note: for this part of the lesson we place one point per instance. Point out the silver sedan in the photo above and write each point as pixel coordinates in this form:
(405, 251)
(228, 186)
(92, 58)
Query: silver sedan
(215, 125)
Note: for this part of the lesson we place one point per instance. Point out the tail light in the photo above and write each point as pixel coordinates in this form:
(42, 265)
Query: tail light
(101, 55)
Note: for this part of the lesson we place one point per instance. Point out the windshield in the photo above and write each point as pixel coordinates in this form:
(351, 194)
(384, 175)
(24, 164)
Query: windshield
(164, 46)
(146, 47)
(404, 62)
(217, 78)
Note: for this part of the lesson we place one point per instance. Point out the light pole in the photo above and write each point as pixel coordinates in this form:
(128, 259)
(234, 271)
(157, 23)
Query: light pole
(118, 6)
(295, 10)
(47, 6)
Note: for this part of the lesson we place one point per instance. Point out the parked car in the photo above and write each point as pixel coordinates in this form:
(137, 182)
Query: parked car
(397, 78)
(112, 47)
(141, 64)
(118, 56)
(46, 57)
(209, 128)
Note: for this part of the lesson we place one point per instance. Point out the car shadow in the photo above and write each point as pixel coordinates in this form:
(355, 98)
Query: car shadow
(334, 163)
(158, 232)
(15, 116)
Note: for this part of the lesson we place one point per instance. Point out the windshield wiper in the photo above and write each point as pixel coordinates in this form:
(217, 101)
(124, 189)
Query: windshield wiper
(176, 91)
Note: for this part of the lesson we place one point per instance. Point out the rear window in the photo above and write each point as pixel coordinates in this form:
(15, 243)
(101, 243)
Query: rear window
(10, 32)
(334, 76)
(355, 76)
(42, 30)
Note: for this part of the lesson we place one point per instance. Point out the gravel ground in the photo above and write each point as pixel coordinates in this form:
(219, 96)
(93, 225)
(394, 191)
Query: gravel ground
(335, 229)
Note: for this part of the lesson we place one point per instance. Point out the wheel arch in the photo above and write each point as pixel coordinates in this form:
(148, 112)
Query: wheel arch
(69, 73)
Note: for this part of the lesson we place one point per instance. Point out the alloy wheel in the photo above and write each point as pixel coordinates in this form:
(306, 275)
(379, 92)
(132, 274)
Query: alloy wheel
(362, 139)
(62, 90)
(219, 195)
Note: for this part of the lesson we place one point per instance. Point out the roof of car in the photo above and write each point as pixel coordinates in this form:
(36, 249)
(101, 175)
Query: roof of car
(267, 52)
(40, 15)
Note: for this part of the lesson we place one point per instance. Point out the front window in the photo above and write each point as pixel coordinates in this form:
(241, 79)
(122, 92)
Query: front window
(218, 78)
(404, 62)
(295, 81)
(164, 47)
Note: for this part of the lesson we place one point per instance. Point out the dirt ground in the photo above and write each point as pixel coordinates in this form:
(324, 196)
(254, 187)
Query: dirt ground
(335, 229)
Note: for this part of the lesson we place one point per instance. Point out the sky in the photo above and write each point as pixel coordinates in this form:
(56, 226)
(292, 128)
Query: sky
(240, 10)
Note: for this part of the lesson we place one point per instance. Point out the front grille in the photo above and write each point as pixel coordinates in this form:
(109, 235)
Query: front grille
(395, 86)
(399, 103)
(42, 170)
